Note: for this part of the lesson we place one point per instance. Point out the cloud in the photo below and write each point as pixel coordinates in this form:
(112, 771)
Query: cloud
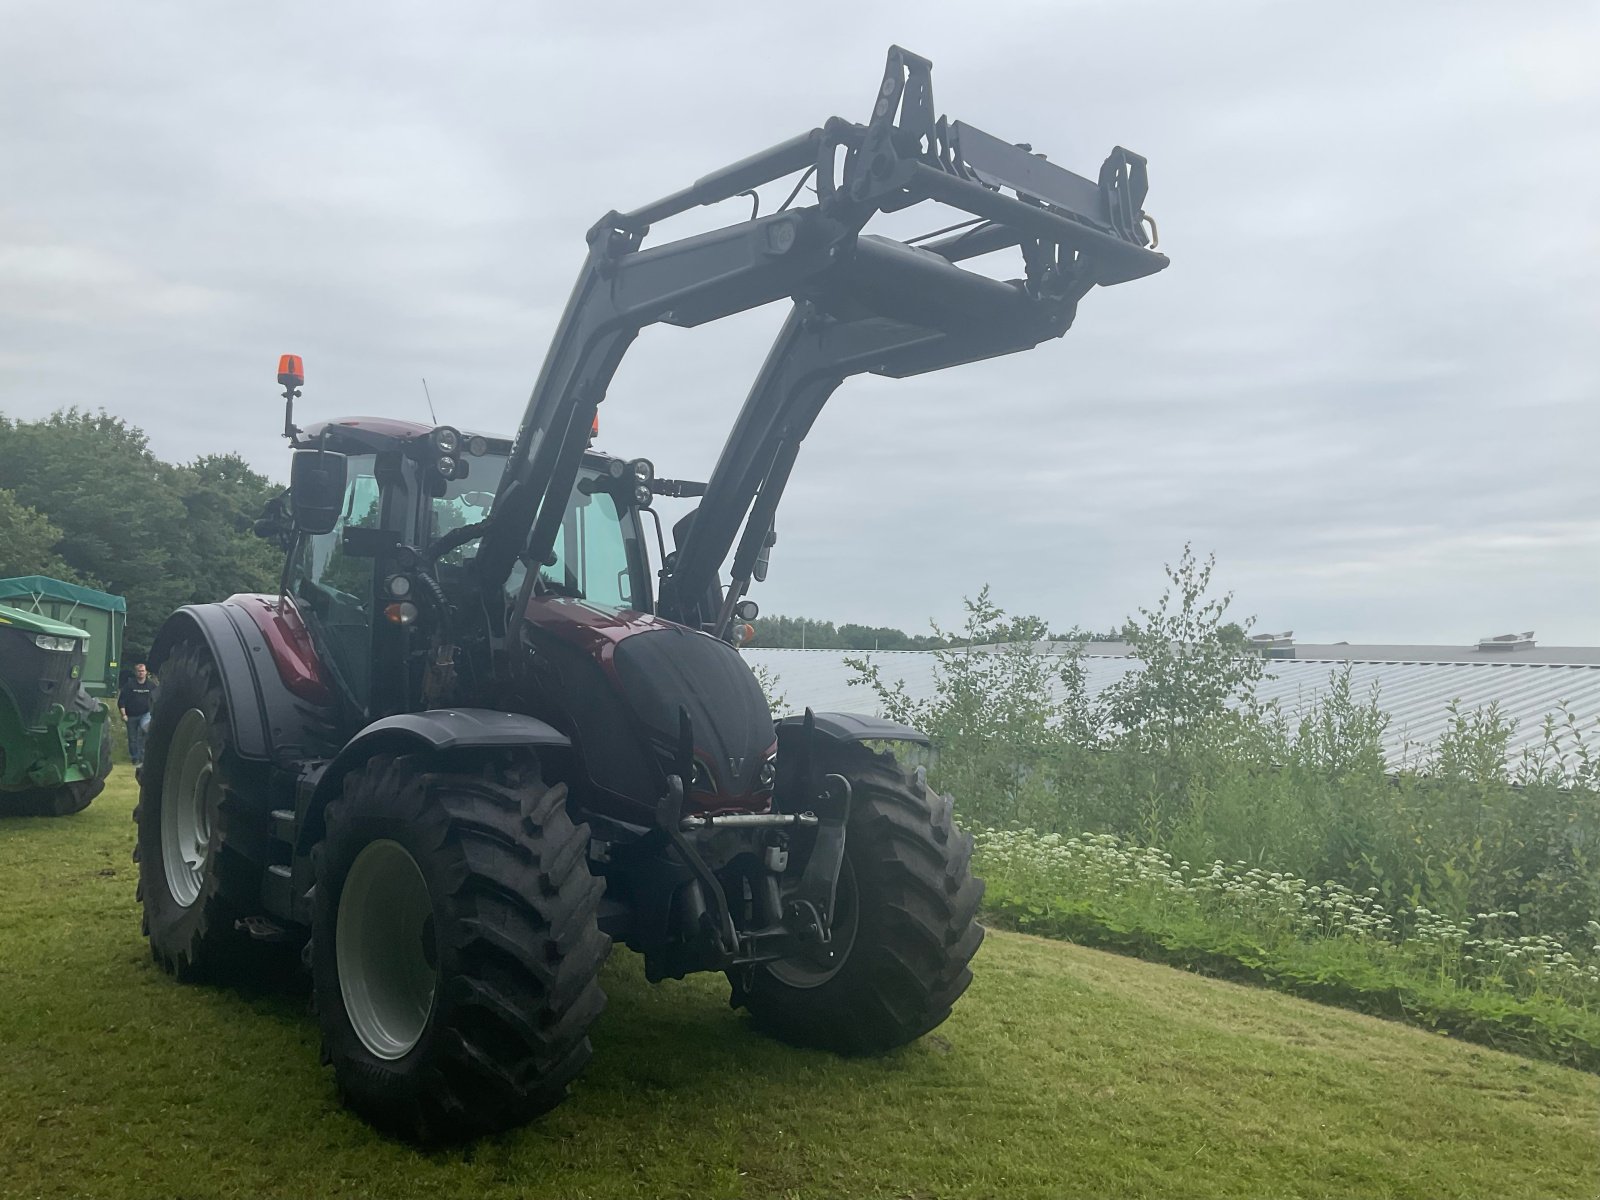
(1367, 381)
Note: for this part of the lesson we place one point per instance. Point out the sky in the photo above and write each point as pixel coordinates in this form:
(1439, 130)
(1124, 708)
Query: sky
(1369, 382)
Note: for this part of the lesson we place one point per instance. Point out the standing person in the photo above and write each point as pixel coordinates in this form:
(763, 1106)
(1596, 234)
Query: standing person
(134, 702)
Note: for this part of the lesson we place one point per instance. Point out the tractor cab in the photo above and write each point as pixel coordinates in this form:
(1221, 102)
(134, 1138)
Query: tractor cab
(382, 529)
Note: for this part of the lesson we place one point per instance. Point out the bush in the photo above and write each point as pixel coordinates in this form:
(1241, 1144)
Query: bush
(1179, 754)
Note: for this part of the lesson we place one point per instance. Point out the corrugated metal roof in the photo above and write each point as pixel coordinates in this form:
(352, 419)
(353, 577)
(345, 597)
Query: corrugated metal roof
(1377, 652)
(1416, 695)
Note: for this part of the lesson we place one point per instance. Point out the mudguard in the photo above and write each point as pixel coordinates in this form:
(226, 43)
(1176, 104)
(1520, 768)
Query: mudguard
(855, 727)
(268, 721)
(433, 730)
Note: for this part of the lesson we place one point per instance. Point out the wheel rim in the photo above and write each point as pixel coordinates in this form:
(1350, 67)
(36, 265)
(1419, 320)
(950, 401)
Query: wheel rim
(384, 949)
(814, 966)
(186, 807)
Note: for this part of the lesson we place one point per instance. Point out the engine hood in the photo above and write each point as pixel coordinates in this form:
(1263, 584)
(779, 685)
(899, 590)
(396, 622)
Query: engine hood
(655, 670)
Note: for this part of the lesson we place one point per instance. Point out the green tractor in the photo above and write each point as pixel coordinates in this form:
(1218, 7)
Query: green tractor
(55, 753)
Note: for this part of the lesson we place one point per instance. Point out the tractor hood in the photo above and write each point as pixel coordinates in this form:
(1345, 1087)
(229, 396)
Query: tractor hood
(625, 681)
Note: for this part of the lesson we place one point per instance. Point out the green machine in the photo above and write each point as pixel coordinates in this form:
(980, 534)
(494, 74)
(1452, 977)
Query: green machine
(55, 750)
(100, 614)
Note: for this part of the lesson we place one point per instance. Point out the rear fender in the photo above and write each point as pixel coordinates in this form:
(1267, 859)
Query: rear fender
(271, 718)
(434, 731)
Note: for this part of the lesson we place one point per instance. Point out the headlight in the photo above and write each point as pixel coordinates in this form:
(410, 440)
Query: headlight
(46, 642)
(446, 439)
(643, 470)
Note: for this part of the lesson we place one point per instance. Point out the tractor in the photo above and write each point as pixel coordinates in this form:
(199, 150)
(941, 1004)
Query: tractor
(481, 733)
(55, 749)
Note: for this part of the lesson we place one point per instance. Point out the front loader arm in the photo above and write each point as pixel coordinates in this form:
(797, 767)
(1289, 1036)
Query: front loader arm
(620, 290)
(812, 355)
(862, 303)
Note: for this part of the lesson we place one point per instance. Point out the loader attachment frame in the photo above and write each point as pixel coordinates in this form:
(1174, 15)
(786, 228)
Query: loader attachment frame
(861, 303)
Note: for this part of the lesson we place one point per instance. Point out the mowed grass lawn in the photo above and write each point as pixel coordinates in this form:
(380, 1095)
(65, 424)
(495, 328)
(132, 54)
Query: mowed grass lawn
(1065, 1072)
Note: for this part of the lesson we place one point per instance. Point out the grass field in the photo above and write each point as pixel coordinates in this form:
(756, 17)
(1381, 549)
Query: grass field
(1065, 1072)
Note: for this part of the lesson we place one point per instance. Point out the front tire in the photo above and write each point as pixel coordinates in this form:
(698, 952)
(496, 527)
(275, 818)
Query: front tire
(905, 923)
(455, 947)
(194, 880)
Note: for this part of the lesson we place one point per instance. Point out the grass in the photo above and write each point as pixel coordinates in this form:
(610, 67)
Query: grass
(1528, 994)
(1065, 1072)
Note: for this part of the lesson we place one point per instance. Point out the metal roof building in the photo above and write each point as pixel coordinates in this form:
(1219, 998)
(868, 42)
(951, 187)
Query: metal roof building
(1415, 684)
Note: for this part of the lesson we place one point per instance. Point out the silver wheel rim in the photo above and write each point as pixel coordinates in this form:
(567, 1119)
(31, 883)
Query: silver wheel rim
(186, 807)
(383, 943)
(818, 964)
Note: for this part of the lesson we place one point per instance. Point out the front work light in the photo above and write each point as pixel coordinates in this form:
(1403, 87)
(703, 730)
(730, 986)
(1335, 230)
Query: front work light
(446, 440)
(403, 613)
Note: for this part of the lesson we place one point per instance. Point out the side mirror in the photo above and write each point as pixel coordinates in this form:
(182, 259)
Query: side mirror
(316, 489)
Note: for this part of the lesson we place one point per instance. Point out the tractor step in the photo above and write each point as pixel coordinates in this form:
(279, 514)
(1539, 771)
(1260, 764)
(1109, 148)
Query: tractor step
(263, 929)
(283, 825)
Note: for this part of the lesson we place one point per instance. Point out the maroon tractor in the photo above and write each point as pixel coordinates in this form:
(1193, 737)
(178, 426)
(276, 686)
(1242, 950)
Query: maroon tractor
(477, 737)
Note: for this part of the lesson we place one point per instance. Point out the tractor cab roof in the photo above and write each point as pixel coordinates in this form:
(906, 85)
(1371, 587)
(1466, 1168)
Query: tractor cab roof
(355, 434)
(361, 435)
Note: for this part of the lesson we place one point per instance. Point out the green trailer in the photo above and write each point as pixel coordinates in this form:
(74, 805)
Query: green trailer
(55, 745)
(100, 614)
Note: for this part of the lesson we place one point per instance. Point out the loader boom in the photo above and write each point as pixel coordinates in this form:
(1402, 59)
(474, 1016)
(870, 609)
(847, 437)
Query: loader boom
(861, 303)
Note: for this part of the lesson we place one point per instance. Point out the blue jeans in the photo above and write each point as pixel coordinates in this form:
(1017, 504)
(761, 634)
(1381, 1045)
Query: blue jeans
(137, 728)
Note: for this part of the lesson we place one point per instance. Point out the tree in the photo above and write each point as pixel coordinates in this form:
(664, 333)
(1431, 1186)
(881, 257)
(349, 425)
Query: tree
(222, 497)
(1192, 664)
(795, 632)
(158, 534)
(28, 541)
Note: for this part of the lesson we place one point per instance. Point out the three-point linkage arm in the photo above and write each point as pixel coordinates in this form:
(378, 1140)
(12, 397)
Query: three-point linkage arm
(862, 303)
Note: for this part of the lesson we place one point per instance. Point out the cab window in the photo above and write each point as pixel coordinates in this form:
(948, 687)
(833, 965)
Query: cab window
(592, 553)
(597, 555)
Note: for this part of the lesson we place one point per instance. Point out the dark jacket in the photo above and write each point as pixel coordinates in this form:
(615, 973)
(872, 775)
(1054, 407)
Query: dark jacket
(136, 698)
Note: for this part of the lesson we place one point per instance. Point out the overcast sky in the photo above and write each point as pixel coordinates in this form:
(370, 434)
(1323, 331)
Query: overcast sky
(1369, 382)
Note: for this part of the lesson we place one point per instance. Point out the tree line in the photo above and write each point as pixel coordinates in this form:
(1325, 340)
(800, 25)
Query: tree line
(83, 498)
(785, 633)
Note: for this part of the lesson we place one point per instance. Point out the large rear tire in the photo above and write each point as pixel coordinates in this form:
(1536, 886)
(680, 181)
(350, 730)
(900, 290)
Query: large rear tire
(455, 947)
(194, 799)
(905, 926)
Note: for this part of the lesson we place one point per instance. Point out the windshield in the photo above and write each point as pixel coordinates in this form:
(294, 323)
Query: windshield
(593, 553)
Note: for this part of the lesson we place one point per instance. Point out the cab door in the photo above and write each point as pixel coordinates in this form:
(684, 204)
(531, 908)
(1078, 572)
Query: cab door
(333, 590)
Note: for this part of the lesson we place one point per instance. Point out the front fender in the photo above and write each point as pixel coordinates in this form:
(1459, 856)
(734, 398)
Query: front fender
(854, 727)
(434, 730)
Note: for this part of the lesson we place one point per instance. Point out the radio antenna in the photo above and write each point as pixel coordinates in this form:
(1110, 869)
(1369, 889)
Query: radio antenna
(429, 396)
